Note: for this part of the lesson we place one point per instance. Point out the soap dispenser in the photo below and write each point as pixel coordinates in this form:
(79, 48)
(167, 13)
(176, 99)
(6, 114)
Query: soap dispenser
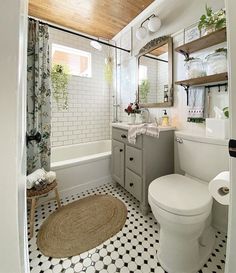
(165, 119)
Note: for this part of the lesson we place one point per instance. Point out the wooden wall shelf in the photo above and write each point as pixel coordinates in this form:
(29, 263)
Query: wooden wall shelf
(206, 41)
(207, 80)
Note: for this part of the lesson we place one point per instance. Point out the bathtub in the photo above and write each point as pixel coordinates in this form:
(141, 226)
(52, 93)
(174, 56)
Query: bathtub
(82, 166)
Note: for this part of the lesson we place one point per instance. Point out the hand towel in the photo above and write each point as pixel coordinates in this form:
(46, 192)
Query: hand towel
(152, 130)
(134, 131)
(33, 177)
(196, 105)
(142, 129)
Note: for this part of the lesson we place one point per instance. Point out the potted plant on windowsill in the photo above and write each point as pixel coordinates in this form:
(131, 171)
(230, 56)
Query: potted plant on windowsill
(212, 21)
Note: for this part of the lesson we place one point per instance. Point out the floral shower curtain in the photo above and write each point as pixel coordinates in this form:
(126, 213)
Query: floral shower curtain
(38, 96)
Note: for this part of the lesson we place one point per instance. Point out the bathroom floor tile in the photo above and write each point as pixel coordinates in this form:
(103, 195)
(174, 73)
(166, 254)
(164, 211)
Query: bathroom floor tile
(133, 249)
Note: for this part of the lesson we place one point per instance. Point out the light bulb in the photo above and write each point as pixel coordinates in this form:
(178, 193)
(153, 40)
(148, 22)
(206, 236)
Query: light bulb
(154, 24)
(141, 33)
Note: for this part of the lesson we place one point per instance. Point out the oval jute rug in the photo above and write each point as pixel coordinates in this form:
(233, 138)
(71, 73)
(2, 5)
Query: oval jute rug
(81, 226)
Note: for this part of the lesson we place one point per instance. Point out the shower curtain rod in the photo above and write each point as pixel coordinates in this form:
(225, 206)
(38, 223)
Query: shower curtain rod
(78, 34)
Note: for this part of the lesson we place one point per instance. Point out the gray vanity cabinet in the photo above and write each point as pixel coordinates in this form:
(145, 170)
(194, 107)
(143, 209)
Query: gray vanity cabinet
(134, 167)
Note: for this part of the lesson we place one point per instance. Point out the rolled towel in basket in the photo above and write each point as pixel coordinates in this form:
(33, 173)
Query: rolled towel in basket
(33, 177)
(50, 176)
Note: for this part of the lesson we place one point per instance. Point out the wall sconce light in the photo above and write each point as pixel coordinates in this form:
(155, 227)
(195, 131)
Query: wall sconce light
(154, 24)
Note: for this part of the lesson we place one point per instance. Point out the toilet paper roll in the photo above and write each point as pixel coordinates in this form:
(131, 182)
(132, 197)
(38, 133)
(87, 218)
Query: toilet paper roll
(219, 188)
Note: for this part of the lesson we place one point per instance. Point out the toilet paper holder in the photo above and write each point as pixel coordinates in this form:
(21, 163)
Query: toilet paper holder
(223, 191)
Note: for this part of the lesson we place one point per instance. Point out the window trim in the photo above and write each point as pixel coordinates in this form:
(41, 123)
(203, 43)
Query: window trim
(75, 51)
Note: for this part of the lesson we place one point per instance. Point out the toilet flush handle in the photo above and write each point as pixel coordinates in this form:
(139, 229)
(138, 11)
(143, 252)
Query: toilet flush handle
(179, 140)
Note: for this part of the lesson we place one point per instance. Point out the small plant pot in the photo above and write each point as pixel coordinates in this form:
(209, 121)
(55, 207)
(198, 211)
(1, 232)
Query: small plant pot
(209, 29)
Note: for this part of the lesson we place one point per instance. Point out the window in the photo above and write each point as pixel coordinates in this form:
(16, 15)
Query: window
(142, 73)
(77, 61)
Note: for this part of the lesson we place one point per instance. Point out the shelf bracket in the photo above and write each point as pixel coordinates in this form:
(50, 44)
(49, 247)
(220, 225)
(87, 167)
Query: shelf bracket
(186, 54)
(186, 88)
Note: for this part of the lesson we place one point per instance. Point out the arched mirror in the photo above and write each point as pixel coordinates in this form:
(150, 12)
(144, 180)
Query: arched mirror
(155, 73)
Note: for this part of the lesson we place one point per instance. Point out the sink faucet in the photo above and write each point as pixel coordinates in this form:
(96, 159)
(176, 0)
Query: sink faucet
(145, 115)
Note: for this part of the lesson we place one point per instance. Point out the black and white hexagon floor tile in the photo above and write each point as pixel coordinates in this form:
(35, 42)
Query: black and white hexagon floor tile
(133, 249)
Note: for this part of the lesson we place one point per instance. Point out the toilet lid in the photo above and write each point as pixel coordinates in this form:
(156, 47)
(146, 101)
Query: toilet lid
(180, 195)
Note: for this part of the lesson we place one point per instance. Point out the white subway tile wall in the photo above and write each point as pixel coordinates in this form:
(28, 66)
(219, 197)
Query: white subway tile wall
(88, 117)
(157, 75)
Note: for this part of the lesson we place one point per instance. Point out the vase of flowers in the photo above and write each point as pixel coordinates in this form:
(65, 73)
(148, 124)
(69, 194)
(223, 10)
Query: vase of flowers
(132, 110)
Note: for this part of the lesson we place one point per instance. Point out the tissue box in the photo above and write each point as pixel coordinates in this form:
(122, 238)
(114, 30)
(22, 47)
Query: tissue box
(217, 128)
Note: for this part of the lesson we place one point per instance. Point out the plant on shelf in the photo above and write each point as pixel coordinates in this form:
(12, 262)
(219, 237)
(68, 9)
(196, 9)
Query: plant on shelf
(212, 21)
(144, 89)
(133, 108)
(60, 79)
(226, 112)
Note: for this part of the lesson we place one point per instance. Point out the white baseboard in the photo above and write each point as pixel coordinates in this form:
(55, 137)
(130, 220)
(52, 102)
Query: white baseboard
(87, 186)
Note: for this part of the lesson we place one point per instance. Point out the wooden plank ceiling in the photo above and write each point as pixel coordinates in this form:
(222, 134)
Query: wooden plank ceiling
(100, 18)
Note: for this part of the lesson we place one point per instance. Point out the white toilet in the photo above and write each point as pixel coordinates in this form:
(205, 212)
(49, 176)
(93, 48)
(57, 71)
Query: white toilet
(182, 204)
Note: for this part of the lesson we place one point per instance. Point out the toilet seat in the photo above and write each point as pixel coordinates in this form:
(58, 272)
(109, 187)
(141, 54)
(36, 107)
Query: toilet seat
(180, 195)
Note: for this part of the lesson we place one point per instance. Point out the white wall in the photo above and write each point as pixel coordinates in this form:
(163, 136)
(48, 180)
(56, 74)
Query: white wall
(88, 116)
(13, 239)
(175, 16)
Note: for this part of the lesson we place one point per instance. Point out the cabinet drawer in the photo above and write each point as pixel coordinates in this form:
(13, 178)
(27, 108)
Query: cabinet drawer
(133, 184)
(134, 159)
(122, 135)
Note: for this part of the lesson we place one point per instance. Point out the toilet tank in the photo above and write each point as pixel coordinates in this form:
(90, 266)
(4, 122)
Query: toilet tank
(201, 157)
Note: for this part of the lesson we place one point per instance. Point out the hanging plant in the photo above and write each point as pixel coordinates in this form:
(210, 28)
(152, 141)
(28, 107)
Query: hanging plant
(108, 70)
(60, 79)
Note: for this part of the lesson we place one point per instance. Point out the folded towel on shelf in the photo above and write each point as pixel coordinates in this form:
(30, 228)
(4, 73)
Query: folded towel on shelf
(50, 176)
(196, 105)
(142, 129)
(35, 176)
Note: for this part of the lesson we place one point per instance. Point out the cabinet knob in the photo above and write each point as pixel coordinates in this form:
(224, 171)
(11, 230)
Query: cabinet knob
(121, 150)
(131, 158)
(131, 184)
(123, 136)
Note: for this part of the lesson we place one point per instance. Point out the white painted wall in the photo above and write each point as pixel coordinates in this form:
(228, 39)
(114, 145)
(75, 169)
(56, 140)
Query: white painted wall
(88, 116)
(231, 34)
(13, 238)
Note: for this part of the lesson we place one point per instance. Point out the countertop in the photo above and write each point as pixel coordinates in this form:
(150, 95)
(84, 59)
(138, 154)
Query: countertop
(125, 126)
